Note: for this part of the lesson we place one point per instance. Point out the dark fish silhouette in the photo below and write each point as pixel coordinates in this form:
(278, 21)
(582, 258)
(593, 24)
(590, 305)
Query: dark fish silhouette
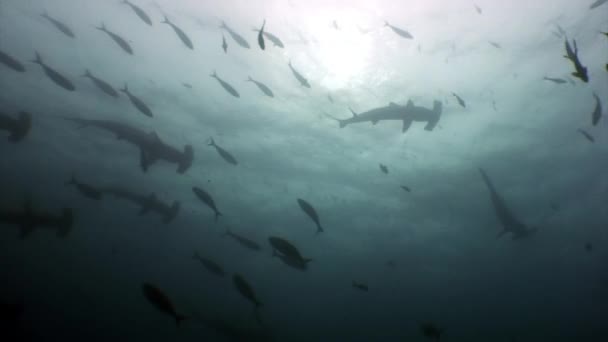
(303, 81)
(261, 36)
(140, 13)
(11, 62)
(555, 80)
(478, 9)
(460, 101)
(597, 112)
(235, 36)
(58, 25)
(274, 39)
(406, 188)
(18, 128)
(572, 55)
(101, 84)
(597, 3)
(246, 290)
(311, 212)
(383, 168)
(401, 32)
(147, 203)
(230, 89)
(431, 331)
(84, 189)
(223, 153)
(586, 135)
(187, 85)
(117, 39)
(288, 253)
(137, 102)
(182, 36)
(28, 220)
(207, 199)
(360, 286)
(261, 86)
(224, 44)
(209, 265)
(331, 99)
(161, 302)
(495, 44)
(243, 241)
(55, 76)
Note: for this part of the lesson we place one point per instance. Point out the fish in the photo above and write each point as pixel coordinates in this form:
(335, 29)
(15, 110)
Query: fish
(430, 330)
(274, 39)
(510, 223)
(572, 55)
(224, 44)
(55, 76)
(335, 25)
(243, 241)
(161, 302)
(360, 286)
(401, 32)
(58, 25)
(137, 102)
(311, 212)
(460, 101)
(560, 31)
(597, 112)
(555, 80)
(478, 9)
(495, 44)
(261, 36)
(28, 220)
(230, 89)
(303, 81)
(229, 158)
(235, 36)
(331, 99)
(384, 169)
(209, 265)
(246, 290)
(406, 188)
(85, 189)
(586, 135)
(597, 4)
(391, 263)
(140, 13)
(182, 36)
(298, 264)
(18, 127)
(122, 43)
(261, 86)
(151, 147)
(588, 247)
(101, 84)
(11, 62)
(146, 202)
(187, 85)
(408, 114)
(286, 248)
(207, 199)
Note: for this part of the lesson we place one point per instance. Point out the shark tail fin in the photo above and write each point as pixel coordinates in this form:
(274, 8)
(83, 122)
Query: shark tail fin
(64, 226)
(37, 59)
(435, 116)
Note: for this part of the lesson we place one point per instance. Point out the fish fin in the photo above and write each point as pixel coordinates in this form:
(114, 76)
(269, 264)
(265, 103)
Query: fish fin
(409, 104)
(37, 59)
(125, 89)
(71, 181)
(319, 229)
(217, 216)
(249, 79)
(166, 20)
(87, 73)
(214, 74)
(406, 125)
(211, 142)
(353, 112)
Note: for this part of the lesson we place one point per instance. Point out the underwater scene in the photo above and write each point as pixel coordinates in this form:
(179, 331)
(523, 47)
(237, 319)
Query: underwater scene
(304, 170)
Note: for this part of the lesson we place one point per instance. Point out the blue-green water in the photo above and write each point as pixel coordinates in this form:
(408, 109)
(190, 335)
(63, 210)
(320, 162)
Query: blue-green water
(422, 236)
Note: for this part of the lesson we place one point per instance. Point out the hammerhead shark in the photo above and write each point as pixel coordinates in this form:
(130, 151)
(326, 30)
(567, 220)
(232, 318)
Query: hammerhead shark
(18, 127)
(146, 202)
(408, 114)
(510, 223)
(151, 147)
(28, 220)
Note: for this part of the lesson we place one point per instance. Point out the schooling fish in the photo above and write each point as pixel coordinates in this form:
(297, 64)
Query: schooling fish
(384, 169)
(597, 112)
(140, 13)
(243, 241)
(58, 25)
(311, 212)
(572, 55)
(246, 290)
(223, 153)
(161, 302)
(101, 84)
(303, 81)
(230, 89)
(55, 76)
(401, 32)
(207, 199)
(586, 135)
(18, 127)
(182, 36)
(274, 39)
(86, 190)
(209, 265)
(406, 188)
(555, 80)
(117, 39)
(137, 102)
(495, 44)
(224, 44)
(460, 101)
(261, 36)
(478, 9)
(11, 62)
(261, 86)
(235, 36)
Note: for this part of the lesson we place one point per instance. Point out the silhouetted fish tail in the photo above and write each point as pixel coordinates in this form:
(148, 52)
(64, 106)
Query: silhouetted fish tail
(87, 73)
(319, 229)
(217, 215)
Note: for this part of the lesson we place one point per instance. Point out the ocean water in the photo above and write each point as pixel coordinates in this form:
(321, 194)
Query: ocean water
(422, 239)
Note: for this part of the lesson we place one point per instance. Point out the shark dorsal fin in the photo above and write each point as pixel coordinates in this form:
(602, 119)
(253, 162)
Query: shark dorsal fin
(393, 104)
(410, 103)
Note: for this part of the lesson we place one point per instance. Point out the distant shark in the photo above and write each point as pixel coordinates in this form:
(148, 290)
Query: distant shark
(151, 147)
(408, 114)
(146, 202)
(28, 220)
(510, 223)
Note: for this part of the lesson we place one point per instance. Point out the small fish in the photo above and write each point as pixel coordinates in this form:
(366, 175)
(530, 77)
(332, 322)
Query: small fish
(235, 36)
(586, 135)
(182, 36)
(460, 101)
(187, 85)
(246, 290)
(588, 247)
(101, 84)
(18, 127)
(360, 286)
(140, 13)
(274, 39)
(406, 188)
(401, 32)
(384, 169)
(335, 25)
(303, 81)
(555, 80)
(560, 30)
(597, 112)
(86, 190)
(286, 248)
(597, 3)
(209, 264)
(230, 89)
(11, 62)
(478, 9)
(311, 212)
(261, 36)
(243, 241)
(161, 302)
(391, 263)
(223, 153)
(331, 99)
(55, 76)
(494, 105)
(572, 55)
(431, 331)
(495, 44)
(137, 102)
(224, 44)
(264, 88)
(554, 206)
(207, 199)
(58, 25)
(122, 43)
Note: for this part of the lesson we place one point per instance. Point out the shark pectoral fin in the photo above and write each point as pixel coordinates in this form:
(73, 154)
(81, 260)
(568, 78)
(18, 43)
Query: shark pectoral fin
(430, 125)
(406, 125)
